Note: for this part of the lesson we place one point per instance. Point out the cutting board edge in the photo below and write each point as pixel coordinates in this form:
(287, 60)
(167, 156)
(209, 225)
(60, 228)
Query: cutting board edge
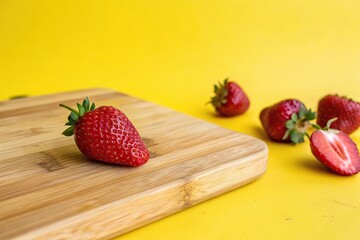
(178, 190)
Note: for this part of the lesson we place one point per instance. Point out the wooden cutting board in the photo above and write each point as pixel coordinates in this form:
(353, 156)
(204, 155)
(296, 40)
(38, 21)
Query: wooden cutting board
(49, 190)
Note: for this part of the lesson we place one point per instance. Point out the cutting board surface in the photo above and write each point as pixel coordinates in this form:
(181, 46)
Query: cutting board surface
(49, 190)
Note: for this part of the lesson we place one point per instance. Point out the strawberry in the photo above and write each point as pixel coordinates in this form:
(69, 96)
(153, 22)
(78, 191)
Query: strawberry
(335, 149)
(106, 134)
(286, 121)
(344, 109)
(229, 99)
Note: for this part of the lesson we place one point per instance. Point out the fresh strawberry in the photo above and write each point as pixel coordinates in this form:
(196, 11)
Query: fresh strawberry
(344, 109)
(229, 99)
(335, 149)
(106, 134)
(287, 121)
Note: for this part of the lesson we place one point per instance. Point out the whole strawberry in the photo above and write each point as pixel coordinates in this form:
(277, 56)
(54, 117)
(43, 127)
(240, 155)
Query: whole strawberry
(287, 121)
(229, 99)
(335, 149)
(344, 109)
(106, 134)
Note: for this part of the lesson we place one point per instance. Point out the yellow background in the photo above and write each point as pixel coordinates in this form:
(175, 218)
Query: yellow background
(171, 53)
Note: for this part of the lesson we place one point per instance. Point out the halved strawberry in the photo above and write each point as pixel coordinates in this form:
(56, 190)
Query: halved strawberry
(335, 149)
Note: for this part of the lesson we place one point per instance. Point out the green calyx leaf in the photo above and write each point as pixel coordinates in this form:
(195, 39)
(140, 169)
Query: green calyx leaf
(81, 109)
(310, 115)
(294, 117)
(69, 131)
(92, 107)
(298, 124)
(317, 127)
(86, 104)
(296, 137)
(290, 124)
(221, 93)
(75, 115)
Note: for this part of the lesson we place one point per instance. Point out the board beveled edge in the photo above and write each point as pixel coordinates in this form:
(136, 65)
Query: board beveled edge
(122, 216)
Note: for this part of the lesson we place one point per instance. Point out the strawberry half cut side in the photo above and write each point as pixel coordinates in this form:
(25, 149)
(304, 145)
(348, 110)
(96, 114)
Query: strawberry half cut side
(336, 150)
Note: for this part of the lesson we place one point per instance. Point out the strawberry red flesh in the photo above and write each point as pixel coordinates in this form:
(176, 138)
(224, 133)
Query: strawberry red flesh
(336, 150)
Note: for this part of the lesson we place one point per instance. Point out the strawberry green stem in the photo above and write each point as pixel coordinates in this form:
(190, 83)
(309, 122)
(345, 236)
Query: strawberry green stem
(69, 108)
(327, 127)
(330, 122)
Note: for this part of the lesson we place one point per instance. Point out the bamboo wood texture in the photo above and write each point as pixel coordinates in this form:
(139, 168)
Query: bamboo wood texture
(49, 190)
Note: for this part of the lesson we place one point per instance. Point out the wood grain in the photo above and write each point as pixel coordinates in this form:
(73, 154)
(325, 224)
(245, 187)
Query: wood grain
(49, 190)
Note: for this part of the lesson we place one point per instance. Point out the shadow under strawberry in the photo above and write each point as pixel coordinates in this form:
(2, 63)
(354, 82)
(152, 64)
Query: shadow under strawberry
(312, 165)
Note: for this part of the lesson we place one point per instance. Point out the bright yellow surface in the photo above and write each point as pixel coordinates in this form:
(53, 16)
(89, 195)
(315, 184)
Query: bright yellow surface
(171, 53)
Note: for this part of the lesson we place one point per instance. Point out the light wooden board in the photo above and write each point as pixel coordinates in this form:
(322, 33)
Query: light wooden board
(49, 190)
